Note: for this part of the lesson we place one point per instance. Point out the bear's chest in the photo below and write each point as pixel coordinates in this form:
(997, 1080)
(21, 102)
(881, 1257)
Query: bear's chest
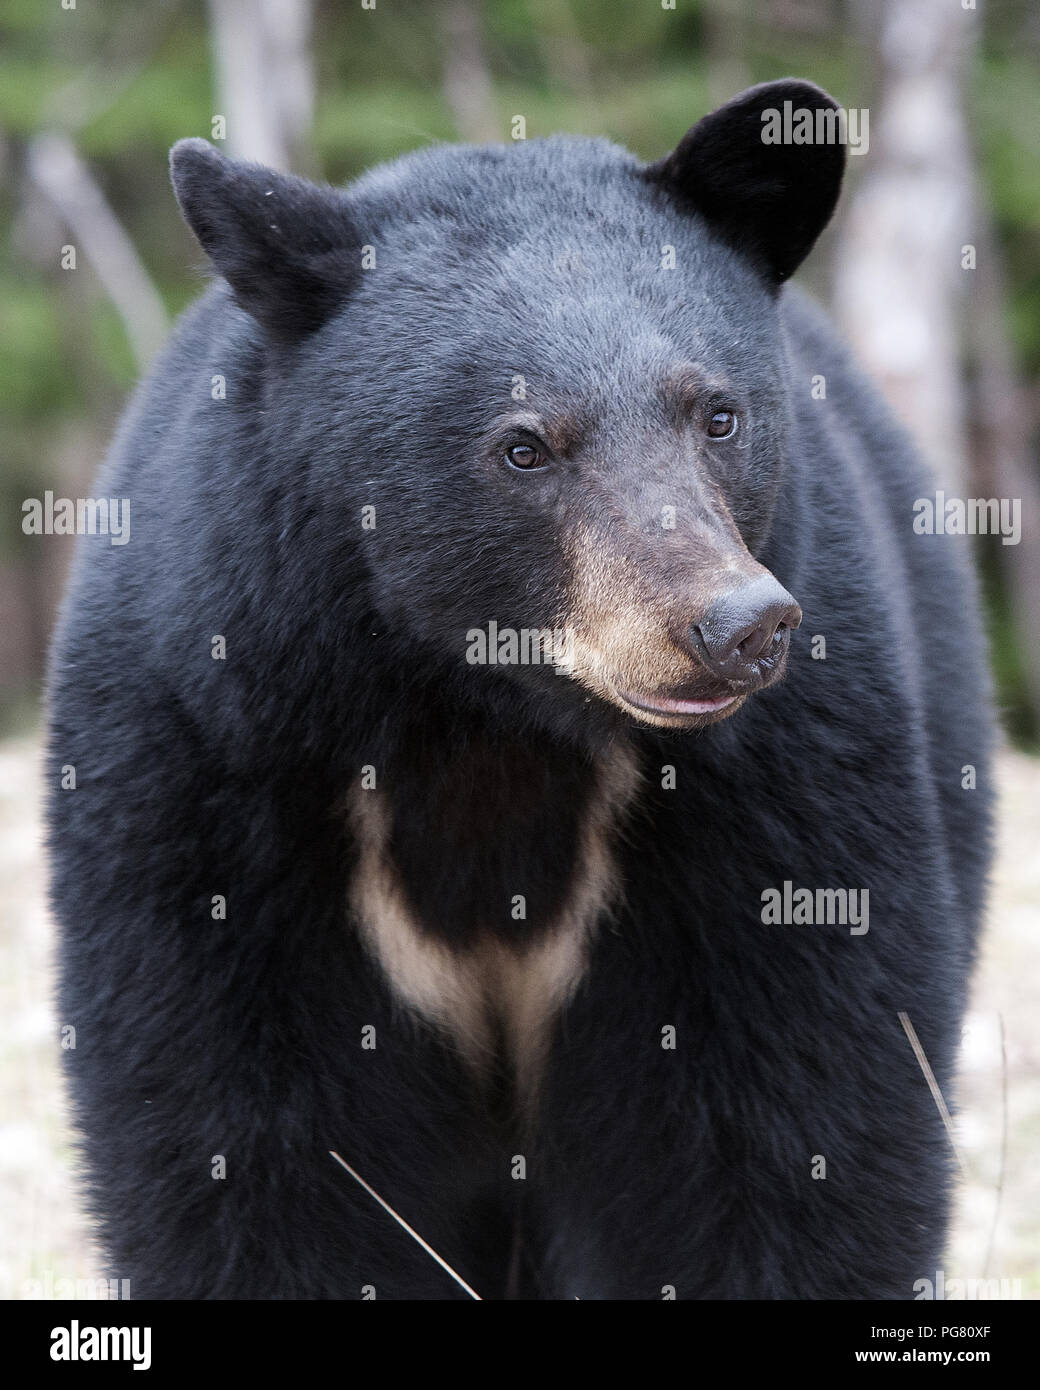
(479, 899)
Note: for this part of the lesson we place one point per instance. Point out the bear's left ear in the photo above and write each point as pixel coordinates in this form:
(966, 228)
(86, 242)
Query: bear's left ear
(768, 200)
(287, 248)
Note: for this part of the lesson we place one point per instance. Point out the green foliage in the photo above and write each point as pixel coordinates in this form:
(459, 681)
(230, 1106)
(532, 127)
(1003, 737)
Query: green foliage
(35, 381)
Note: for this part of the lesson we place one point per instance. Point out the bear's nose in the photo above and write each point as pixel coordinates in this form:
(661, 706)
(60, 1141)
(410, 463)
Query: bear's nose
(745, 626)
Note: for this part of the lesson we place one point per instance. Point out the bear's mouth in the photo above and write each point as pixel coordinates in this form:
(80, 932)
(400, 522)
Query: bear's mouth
(696, 703)
(660, 707)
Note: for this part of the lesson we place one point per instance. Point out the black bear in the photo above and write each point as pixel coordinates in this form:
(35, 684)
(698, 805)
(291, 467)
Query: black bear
(524, 748)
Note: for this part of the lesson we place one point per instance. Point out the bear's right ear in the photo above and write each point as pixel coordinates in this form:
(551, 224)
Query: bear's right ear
(769, 200)
(288, 248)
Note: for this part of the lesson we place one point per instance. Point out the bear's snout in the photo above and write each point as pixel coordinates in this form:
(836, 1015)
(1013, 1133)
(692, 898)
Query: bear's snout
(745, 634)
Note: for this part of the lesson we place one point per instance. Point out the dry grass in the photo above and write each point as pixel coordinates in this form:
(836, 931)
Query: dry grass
(44, 1238)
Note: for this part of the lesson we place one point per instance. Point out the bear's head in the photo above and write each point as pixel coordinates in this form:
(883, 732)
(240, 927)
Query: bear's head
(540, 391)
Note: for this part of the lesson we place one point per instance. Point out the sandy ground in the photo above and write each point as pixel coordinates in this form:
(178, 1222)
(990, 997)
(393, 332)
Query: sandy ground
(45, 1240)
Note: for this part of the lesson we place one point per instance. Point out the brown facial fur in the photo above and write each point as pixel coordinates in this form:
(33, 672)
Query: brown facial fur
(626, 607)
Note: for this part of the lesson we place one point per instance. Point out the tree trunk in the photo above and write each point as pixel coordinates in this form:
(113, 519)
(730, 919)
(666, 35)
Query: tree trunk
(265, 79)
(899, 286)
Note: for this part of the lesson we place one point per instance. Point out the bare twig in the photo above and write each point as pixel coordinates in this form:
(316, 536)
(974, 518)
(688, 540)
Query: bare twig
(933, 1085)
(58, 171)
(401, 1222)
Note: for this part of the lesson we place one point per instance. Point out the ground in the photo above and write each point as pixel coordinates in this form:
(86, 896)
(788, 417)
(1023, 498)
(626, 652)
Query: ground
(45, 1239)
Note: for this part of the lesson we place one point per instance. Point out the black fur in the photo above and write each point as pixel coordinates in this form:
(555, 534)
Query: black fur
(197, 777)
(286, 247)
(770, 201)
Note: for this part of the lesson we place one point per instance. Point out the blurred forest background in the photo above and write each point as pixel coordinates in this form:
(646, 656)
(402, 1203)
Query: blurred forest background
(94, 92)
(92, 97)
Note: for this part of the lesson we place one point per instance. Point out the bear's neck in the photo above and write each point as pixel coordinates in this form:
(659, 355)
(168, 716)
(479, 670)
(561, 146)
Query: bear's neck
(484, 864)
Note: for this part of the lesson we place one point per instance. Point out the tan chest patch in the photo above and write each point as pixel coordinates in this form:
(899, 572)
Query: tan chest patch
(496, 989)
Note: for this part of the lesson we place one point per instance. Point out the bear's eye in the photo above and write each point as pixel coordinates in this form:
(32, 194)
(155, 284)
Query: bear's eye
(526, 456)
(722, 424)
